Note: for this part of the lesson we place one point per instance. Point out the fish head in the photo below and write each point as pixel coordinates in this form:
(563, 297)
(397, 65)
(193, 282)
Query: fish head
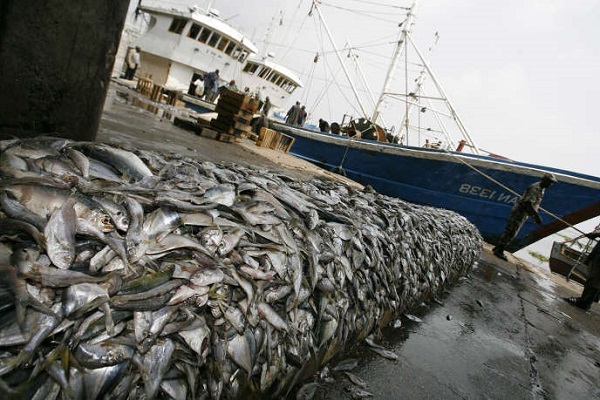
(102, 221)
(211, 238)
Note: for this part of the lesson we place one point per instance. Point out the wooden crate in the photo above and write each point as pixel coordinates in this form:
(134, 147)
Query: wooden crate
(224, 137)
(209, 133)
(145, 86)
(266, 137)
(284, 143)
(274, 140)
(235, 101)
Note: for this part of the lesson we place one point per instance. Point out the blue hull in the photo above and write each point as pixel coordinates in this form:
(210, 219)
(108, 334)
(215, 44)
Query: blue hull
(473, 186)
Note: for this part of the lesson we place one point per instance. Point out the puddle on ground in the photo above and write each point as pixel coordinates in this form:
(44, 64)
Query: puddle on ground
(163, 111)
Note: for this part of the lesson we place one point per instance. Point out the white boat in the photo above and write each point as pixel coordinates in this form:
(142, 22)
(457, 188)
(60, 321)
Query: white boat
(568, 260)
(182, 44)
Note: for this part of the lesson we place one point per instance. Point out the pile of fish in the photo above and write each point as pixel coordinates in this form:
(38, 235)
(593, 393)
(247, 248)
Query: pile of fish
(132, 274)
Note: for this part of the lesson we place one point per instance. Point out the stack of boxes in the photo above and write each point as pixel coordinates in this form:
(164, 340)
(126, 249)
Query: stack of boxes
(235, 112)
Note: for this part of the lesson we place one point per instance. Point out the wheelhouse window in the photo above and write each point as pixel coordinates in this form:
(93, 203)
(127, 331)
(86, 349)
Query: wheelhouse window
(251, 68)
(222, 44)
(264, 72)
(280, 81)
(194, 31)
(204, 35)
(177, 25)
(214, 39)
(242, 56)
(230, 48)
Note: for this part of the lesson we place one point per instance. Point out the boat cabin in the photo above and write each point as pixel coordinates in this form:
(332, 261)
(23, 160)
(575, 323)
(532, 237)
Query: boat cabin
(180, 44)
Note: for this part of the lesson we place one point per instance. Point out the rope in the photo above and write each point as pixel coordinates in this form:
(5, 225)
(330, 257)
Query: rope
(510, 190)
(578, 258)
(340, 168)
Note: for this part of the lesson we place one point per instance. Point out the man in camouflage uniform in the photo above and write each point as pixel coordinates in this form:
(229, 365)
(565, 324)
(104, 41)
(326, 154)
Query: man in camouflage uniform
(591, 289)
(526, 207)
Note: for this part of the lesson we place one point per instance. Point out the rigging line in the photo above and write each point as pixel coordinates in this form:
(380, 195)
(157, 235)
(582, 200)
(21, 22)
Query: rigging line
(363, 14)
(289, 47)
(306, 17)
(509, 189)
(319, 31)
(310, 78)
(380, 4)
(342, 92)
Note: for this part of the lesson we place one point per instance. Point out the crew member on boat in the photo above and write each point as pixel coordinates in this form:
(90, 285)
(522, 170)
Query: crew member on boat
(302, 114)
(292, 114)
(526, 207)
(591, 289)
(323, 125)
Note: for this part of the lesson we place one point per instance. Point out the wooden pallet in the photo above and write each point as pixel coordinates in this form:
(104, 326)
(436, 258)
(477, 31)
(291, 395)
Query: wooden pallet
(187, 124)
(239, 115)
(235, 129)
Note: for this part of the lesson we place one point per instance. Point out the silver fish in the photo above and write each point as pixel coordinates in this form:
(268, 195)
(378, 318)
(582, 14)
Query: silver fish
(60, 235)
(130, 166)
(104, 354)
(80, 160)
(272, 317)
(154, 364)
(221, 194)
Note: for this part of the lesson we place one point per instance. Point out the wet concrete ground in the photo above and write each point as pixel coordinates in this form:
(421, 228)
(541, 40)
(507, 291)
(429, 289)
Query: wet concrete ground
(503, 332)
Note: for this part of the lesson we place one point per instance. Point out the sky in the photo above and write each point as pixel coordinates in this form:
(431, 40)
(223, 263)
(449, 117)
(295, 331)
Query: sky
(522, 74)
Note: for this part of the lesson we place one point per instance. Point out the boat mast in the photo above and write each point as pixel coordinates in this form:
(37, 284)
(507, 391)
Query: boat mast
(315, 6)
(400, 47)
(438, 86)
(361, 74)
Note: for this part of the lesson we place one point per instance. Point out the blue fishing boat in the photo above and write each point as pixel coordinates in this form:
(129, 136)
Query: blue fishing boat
(481, 188)
(451, 174)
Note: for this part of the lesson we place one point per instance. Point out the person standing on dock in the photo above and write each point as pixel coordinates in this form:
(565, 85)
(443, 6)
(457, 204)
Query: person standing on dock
(526, 207)
(211, 81)
(133, 62)
(266, 106)
(199, 86)
(591, 289)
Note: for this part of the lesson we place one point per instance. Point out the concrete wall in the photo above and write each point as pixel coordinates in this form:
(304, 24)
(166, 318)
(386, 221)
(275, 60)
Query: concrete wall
(56, 57)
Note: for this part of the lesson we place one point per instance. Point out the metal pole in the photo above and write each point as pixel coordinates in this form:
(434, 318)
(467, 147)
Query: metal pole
(397, 53)
(443, 94)
(337, 53)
